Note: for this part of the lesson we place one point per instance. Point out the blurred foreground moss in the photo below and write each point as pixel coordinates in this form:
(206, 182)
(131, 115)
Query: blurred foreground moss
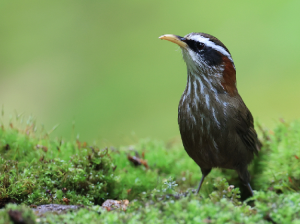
(35, 170)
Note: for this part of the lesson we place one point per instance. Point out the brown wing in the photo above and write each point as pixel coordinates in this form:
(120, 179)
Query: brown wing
(246, 131)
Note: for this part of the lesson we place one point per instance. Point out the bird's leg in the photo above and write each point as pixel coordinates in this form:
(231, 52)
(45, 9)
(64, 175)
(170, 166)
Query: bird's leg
(245, 178)
(200, 184)
(249, 188)
(205, 172)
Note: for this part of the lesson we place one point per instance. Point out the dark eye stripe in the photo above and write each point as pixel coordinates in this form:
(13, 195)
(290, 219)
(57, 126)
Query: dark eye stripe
(195, 45)
(207, 53)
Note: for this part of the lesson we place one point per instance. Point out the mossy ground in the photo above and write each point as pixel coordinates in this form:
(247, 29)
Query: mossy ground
(35, 170)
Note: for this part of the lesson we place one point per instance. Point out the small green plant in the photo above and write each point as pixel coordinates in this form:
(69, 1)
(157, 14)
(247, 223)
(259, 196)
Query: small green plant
(169, 184)
(225, 191)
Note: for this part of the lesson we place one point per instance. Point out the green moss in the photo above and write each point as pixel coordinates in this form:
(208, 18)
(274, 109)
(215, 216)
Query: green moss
(35, 170)
(278, 165)
(17, 214)
(282, 208)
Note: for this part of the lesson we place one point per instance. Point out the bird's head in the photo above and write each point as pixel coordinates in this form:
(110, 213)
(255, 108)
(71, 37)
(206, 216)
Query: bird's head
(207, 57)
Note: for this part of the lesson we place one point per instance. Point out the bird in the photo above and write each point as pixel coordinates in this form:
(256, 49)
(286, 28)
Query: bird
(216, 127)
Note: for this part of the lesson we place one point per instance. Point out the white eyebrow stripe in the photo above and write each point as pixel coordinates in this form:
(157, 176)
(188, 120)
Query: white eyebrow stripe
(211, 44)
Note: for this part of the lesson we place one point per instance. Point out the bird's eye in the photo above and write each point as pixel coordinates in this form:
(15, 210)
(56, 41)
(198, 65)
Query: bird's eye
(199, 46)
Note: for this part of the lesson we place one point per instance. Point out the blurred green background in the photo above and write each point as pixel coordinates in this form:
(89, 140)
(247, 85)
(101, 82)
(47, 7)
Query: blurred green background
(101, 64)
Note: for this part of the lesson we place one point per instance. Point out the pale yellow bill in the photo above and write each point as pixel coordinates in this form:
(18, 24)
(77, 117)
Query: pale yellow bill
(174, 39)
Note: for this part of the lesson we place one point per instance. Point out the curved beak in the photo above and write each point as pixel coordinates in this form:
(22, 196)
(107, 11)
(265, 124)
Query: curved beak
(175, 39)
